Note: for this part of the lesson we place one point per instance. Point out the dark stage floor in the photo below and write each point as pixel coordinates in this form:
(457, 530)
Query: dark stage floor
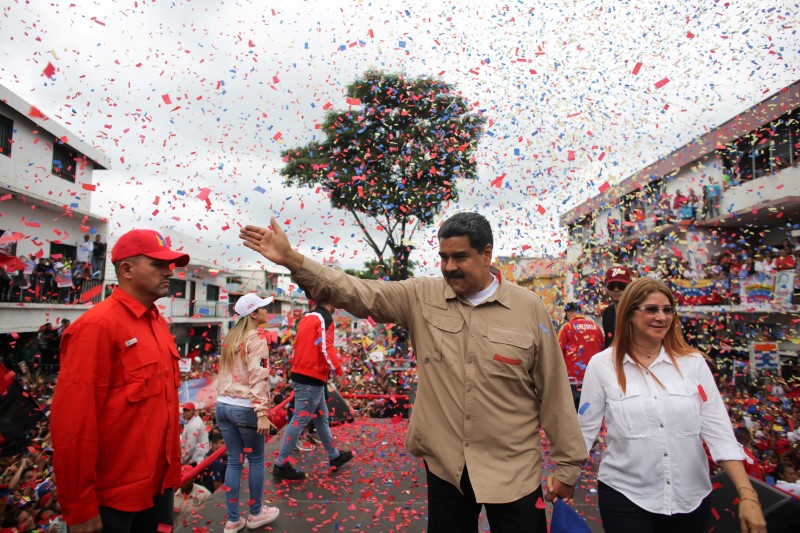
(381, 490)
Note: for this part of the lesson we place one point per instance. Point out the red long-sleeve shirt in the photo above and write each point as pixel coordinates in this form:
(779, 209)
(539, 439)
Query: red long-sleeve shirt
(580, 339)
(115, 414)
(314, 354)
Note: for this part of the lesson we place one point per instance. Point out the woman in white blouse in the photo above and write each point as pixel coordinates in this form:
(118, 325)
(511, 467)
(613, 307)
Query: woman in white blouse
(659, 402)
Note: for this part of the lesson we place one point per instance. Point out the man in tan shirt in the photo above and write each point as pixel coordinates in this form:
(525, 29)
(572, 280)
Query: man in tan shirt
(490, 373)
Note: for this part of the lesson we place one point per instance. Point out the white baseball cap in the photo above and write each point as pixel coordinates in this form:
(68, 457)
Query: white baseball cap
(250, 302)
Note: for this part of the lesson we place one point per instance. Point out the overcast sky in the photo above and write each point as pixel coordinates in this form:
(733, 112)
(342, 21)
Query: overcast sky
(190, 95)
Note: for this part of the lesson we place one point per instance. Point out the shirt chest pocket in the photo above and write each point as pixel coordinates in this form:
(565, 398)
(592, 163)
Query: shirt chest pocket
(144, 377)
(508, 352)
(628, 413)
(441, 325)
(683, 409)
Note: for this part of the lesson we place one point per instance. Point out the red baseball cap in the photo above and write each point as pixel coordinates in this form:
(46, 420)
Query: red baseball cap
(188, 406)
(618, 274)
(148, 243)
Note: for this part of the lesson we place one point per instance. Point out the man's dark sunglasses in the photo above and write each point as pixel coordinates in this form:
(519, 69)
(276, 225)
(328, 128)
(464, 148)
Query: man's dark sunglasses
(616, 286)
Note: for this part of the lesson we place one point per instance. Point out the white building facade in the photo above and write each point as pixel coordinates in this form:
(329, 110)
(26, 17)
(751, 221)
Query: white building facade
(694, 219)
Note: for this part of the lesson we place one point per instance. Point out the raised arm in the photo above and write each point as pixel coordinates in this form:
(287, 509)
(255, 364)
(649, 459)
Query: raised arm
(273, 244)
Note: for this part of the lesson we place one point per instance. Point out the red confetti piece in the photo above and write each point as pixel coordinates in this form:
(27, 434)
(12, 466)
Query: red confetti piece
(88, 294)
(702, 392)
(689, 35)
(88, 187)
(353, 101)
(166, 99)
(540, 209)
(662, 82)
(498, 181)
(636, 68)
(49, 70)
(604, 187)
(35, 113)
(540, 504)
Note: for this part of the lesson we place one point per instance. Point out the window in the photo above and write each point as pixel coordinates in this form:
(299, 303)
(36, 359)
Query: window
(212, 292)
(6, 135)
(64, 162)
(63, 251)
(177, 288)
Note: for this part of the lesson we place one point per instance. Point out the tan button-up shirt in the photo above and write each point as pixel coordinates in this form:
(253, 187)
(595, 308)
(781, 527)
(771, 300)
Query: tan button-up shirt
(489, 375)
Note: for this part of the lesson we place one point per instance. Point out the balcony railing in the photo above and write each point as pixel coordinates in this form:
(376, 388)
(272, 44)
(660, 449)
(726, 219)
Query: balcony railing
(198, 309)
(39, 288)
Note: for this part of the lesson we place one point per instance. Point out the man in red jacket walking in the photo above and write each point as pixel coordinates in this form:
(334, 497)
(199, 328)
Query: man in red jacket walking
(114, 420)
(580, 338)
(314, 358)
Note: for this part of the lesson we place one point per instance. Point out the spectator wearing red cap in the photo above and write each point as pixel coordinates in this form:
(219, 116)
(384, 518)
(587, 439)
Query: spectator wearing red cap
(114, 422)
(617, 278)
(194, 438)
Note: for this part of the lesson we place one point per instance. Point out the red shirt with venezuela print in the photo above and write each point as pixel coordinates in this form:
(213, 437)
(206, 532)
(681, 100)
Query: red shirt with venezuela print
(580, 339)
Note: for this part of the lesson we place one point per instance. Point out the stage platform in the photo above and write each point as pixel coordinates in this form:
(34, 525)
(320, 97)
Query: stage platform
(381, 490)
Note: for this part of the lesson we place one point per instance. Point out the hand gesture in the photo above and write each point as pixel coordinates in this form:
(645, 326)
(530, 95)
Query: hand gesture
(273, 244)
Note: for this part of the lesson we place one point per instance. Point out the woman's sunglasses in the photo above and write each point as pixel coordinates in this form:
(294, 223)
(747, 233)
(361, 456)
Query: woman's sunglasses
(654, 309)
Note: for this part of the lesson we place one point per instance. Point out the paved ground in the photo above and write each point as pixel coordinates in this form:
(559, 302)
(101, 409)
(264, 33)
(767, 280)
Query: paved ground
(381, 490)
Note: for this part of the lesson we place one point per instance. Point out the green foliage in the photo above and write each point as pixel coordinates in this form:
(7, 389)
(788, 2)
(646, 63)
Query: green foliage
(393, 157)
(374, 269)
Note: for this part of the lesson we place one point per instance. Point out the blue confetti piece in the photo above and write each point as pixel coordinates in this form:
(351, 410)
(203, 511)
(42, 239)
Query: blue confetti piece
(203, 311)
(318, 341)
(583, 408)
(260, 189)
(402, 44)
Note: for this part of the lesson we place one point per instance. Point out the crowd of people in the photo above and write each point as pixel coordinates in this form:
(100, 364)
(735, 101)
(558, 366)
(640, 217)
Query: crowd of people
(55, 278)
(763, 413)
(732, 267)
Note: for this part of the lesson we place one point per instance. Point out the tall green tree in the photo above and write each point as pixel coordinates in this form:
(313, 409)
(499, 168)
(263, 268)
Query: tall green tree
(392, 159)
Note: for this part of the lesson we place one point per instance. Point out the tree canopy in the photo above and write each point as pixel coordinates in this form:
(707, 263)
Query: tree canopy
(392, 159)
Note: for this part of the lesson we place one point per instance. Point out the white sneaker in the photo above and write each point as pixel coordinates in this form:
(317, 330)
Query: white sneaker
(304, 447)
(233, 527)
(267, 515)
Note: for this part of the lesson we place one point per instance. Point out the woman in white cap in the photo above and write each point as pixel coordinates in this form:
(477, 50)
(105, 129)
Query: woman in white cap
(242, 405)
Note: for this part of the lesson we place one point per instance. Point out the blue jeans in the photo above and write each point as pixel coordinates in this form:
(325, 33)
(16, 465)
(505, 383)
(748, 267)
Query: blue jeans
(309, 404)
(240, 442)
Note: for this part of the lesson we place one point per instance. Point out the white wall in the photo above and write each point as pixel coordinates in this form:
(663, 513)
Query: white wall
(53, 226)
(29, 167)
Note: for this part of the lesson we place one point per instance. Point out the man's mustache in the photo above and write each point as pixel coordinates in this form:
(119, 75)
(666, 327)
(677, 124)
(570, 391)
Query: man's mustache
(456, 274)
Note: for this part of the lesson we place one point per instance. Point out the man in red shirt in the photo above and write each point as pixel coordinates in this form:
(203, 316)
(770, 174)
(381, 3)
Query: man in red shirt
(580, 338)
(115, 413)
(314, 357)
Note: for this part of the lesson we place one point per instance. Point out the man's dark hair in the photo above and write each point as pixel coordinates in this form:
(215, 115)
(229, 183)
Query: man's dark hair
(780, 468)
(473, 225)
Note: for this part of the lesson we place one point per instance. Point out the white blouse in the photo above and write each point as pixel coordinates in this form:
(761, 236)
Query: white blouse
(654, 453)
